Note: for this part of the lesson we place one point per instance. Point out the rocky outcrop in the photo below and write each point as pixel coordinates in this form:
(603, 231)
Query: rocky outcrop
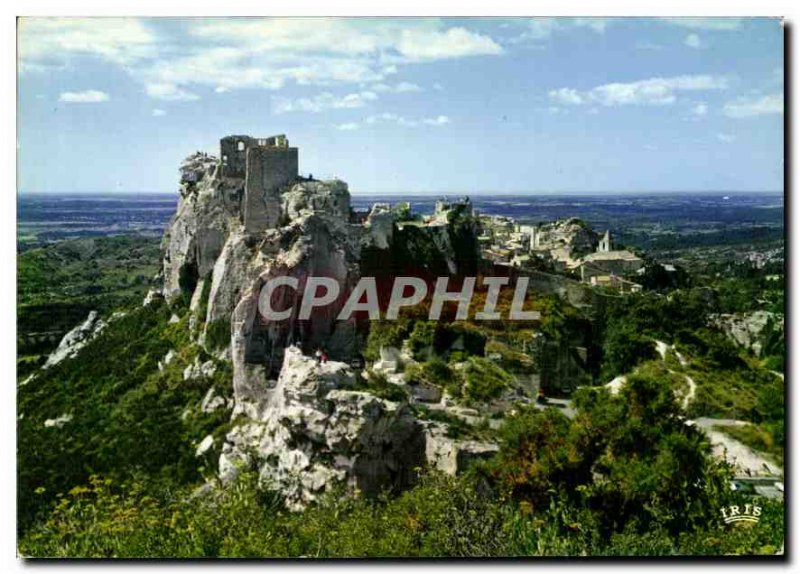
(315, 246)
(76, 339)
(379, 226)
(212, 402)
(248, 219)
(195, 168)
(312, 432)
(206, 213)
(748, 329)
(450, 455)
(566, 240)
(232, 270)
(305, 198)
(199, 371)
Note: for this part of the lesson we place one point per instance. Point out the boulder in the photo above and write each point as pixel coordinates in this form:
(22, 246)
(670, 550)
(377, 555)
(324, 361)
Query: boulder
(198, 370)
(450, 455)
(58, 422)
(380, 226)
(748, 329)
(313, 432)
(76, 339)
(212, 402)
(329, 197)
(204, 445)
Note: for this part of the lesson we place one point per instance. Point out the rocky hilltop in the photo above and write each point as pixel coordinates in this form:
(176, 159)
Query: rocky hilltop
(247, 217)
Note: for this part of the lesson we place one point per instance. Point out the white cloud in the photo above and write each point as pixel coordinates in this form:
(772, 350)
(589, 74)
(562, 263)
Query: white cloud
(595, 24)
(539, 29)
(566, 96)
(399, 88)
(323, 101)
(347, 127)
(170, 93)
(650, 92)
(249, 53)
(51, 41)
(707, 23)
(221, 89)
(422, 44)
(85, 97)
(692, 40)
(726, 138)
(158, 113)
(388, 117)
(437, 121)
(746, 108)
(700, 109)
(438, 87)
(392, 118)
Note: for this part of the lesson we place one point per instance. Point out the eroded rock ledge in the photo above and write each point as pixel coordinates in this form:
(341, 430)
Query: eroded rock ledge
(249, 216)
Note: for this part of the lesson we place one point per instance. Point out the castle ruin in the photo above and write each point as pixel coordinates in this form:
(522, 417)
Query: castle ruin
(267, 165)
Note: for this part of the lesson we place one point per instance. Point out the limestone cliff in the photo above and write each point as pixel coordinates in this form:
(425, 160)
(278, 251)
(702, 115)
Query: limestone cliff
(248, 217)
(314, 432)
(750, 330)
(197, 232)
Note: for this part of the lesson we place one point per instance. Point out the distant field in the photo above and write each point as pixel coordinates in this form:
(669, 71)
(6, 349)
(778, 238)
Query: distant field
(58, 284)
(648, 216)
(44, 218)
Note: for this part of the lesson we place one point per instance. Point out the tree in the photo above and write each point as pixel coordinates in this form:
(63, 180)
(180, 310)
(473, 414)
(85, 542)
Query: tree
(624, 347)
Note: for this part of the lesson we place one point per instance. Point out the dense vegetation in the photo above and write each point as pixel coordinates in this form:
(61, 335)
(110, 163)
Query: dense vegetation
(730, 382)
(128, 415)
(118, 476)
(57, 286)
(659, 494)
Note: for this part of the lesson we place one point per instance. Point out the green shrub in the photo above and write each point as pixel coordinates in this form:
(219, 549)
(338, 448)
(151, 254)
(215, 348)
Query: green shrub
(483, 380)
(218, 334)
(421, 339)
(378, 385)
(385, 334)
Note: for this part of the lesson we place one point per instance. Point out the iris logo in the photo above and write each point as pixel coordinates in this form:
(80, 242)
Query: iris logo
(746, 513)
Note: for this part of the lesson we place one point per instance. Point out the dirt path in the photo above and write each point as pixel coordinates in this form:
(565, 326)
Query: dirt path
(692, 391)
(741, 456)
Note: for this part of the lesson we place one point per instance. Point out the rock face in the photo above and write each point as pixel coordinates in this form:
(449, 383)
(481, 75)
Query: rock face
(311, 433)
(249, 218)
(568, 239)
(76, 339)
(748, 329)
(197, 232)
(380, 226)
(453, 456)
(316, 245)
(331, 197)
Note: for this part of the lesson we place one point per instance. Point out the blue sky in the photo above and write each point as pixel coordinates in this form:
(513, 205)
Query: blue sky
(408, 105)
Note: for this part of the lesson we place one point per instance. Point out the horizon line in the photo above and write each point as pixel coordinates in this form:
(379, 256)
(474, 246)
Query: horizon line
(450, 193)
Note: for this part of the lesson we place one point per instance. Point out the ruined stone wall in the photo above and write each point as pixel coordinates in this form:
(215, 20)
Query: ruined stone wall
(268, 170)
(233, 155)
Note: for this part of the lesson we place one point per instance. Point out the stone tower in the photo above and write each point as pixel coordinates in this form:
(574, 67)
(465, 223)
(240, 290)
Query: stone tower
(266, 165)
(605, 243)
